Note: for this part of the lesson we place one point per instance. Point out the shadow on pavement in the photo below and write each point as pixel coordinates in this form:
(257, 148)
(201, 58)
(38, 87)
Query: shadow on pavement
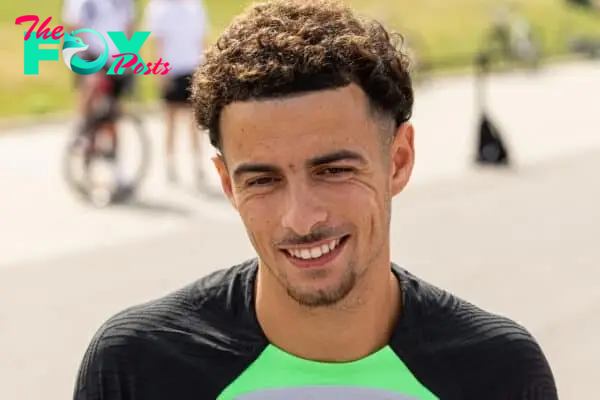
(207, 191)
(156, 207)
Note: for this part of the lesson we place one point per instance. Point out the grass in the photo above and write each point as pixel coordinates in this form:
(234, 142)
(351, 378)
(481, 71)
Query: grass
(448, 31)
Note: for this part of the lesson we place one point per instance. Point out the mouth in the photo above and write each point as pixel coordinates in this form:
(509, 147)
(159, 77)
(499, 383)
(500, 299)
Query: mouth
(316, 255)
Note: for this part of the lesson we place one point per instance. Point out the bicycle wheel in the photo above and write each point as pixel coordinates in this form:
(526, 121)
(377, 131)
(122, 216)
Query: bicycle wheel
(86, 169)
(75, 163)
(105, 175)
(133, 156)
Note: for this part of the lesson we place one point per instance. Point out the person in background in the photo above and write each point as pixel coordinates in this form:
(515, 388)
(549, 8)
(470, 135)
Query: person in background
(102, 16)
(179, 29)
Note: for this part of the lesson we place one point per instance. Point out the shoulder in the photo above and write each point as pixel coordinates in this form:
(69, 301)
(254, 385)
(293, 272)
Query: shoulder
(218, 296)
(205, 307)
(189, 331)
(487, 355)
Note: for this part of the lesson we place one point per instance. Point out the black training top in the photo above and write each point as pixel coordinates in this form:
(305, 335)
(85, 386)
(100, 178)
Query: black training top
(204, 342)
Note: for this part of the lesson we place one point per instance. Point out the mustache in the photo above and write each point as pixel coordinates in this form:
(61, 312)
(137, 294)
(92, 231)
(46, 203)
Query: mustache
(316, 235)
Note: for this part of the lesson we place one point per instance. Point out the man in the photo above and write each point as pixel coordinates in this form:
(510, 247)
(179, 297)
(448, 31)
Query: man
(180, 32)
(102, 16)
(309, 108)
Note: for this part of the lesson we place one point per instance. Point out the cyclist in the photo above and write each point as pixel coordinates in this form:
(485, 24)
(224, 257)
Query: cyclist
(180, 32)
(101, 16)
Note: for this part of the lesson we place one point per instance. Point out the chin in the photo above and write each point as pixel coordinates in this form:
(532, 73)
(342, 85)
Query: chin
(321, 295)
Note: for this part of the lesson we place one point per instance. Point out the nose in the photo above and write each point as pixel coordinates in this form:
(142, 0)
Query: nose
(303, 210)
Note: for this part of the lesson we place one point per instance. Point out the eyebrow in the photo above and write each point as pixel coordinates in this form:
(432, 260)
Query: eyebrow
(249, 168)
(341, 155)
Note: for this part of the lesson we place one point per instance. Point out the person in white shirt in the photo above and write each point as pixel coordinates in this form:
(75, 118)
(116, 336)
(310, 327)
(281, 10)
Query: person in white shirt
(179, 29)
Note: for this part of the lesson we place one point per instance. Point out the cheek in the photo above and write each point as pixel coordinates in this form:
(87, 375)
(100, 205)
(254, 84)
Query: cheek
(353, 197)
(259, 216)
(364, 194)
(365, 204)
(356, 203)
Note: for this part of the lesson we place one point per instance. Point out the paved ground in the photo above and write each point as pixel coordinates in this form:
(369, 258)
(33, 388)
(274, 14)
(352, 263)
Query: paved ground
(521, 242)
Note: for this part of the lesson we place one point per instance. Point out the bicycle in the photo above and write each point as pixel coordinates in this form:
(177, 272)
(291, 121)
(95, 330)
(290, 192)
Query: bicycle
(91, 160)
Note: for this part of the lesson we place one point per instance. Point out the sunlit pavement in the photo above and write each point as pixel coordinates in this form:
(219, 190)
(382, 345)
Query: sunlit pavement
(521, 242)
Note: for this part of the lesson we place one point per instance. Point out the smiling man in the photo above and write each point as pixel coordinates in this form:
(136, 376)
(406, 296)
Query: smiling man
(309, 108)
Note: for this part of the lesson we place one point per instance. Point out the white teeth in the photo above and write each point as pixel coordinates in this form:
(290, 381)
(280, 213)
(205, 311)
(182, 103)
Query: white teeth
(314, 252)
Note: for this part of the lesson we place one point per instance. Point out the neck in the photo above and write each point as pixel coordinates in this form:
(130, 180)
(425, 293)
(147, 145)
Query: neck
(358, 326)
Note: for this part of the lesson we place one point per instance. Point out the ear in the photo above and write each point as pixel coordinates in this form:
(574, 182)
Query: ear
(402, 157)
(226, 184)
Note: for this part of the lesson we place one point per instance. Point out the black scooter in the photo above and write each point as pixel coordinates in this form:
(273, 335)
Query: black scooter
(491, 149)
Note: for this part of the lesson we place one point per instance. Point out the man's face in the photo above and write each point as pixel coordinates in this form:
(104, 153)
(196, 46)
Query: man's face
(312, 178)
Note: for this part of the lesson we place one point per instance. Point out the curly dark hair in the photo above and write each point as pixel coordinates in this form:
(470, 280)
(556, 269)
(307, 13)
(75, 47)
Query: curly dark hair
(283, 47)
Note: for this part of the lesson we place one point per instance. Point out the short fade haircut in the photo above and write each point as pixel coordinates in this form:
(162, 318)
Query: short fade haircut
(278, 48)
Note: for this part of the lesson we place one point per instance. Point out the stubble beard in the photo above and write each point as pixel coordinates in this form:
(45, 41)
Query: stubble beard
(328, 297)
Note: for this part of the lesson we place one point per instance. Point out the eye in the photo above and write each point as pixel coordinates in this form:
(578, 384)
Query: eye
(261, 181)
(336, 170)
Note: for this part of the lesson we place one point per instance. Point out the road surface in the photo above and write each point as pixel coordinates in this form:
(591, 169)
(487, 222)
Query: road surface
(521, 242)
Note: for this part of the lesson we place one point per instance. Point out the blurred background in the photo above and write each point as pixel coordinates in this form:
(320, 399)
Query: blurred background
(517, 235)
(444, 34)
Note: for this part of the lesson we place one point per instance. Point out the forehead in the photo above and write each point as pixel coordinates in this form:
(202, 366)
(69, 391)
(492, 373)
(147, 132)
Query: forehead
(297, 127)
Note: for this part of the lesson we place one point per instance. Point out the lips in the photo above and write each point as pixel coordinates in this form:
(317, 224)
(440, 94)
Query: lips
(315, 251)
(316, 254)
